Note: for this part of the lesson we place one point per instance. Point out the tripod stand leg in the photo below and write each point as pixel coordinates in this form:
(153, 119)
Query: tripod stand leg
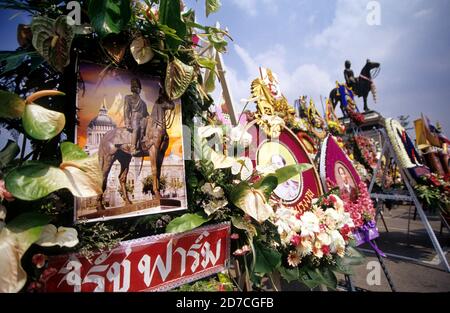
(349, 283)
(385, 270)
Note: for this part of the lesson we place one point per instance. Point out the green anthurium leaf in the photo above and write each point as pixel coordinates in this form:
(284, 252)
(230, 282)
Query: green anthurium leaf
(267, 185)
(242, 224)
(218, 41)
(212, 6)
(11, 105)
(285, 173)
(41, 123)
(185, 222)
(289, 274)
(178, 78)
(169, 32)
(8, 153)
(35, 180)
(329, 278)
(210, 83)
(12, 60)
(239, 192)
(53, 39)
(267, 259)
(207, 63)
(109, 16)
(71, 152)
(15, 240)
(170, 15)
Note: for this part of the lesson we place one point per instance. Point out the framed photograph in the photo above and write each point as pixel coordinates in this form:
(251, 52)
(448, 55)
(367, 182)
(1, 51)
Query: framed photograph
(136, 132)
(335, 166)
(299, 191)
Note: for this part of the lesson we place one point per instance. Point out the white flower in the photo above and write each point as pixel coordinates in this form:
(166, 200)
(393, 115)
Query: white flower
(244, 166)
(294, 258)
(215, 191)
(61, 236)
(272, 125)
(239, 134)
(337, 242)
(309, 224)
(324, 238)
(256, 206)
(213, 206)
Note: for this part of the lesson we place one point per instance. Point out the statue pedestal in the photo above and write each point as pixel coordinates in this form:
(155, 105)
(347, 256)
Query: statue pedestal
(372, 120)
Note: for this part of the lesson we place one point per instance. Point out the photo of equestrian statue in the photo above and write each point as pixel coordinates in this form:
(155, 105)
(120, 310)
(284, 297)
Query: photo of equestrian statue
(135, 130)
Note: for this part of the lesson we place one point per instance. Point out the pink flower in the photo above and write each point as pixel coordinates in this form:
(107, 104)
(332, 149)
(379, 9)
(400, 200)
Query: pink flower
(234, 236)
(295, 240)
(243, 251)
(5, 194)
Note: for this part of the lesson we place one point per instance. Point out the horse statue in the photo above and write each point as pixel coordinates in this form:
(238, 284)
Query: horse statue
(363, 85)
(116, 145)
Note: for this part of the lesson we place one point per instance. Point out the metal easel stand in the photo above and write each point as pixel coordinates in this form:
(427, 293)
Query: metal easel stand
(387, 148)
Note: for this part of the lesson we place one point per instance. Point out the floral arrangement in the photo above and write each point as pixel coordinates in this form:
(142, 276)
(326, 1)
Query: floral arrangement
(356, 117)
(366, 151)
(315, 240)
(434, 191)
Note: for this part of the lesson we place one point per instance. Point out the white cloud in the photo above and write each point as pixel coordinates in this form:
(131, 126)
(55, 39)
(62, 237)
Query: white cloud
(423, 13)
(306, 79)
(252, 7)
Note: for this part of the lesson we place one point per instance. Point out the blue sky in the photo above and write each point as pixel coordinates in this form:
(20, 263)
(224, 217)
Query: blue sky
(306, 43)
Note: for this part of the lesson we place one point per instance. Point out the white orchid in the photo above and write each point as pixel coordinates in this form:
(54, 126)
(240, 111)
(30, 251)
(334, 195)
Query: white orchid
(239, 134)
(61, 236)
(243, 166)
(255, 205)
(211, 189)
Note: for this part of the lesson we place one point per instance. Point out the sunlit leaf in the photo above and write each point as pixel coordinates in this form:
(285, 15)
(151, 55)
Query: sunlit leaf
(178, 78)
(11, 105)
(8, 153)
(185, 222)
(212, 6)
(141, 50)
(71, 152)
(170, 15)
(41, 123)
(267, 258)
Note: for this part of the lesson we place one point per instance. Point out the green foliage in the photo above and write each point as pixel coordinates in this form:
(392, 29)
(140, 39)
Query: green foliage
(267, 258)
(97, 237)
(11, 105)
(53, 40)
(170, 15)
(41, 123)
(212, 6)
(209, 285)
(8, 153)
(12, 60)
(109, 16)
(185, 223)
(178, 78)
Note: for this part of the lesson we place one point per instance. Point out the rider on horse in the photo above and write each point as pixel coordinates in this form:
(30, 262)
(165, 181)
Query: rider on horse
(350, 79)
(135, 112)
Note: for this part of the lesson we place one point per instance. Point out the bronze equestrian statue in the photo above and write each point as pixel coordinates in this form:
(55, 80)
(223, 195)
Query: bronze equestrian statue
(151, 139)
(361, 86)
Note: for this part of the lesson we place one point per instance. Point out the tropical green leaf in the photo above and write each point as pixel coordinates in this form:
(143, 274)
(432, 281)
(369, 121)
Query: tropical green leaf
(12, 60)
(284, 174)
(71, 152)
(34, 180)
(238, 194)
(15, 240)
(267, 185)
(207, 63)
(8, 153)
(11, 105)
(53, 39)
(212, 6)
(178, 78)
(242, 224)
(267, 259)
(185, 222)
(289, 274)
(41, 123)
(210, 83)
(109, 16)
(170, 15)
(218, 41)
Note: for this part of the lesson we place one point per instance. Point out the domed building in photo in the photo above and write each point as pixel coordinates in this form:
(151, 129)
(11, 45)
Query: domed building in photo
(97, 128)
